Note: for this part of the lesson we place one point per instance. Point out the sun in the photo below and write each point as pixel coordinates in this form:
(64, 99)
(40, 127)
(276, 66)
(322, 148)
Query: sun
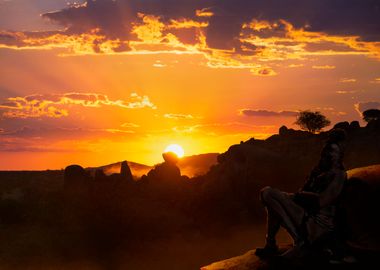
(176, 149)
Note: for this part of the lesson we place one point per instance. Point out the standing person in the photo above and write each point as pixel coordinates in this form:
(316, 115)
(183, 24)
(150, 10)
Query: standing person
(310, 213)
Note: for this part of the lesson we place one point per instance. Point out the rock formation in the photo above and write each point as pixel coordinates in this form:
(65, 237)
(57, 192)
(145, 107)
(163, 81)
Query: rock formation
(359, 224)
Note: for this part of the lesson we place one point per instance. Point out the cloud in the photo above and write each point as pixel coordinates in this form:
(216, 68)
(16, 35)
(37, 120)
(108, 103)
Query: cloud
(266, 113)
(295, 65)
(263, 71)
(342, 92)
(363, 106)
(347, 80)
(129, 125)
(56, 105)
(228, 128)
(204, 12)
(229, 34)
(178, 116)
(324, 67)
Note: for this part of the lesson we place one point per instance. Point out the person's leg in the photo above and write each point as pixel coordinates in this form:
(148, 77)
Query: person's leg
(273, 226)
(282, 210)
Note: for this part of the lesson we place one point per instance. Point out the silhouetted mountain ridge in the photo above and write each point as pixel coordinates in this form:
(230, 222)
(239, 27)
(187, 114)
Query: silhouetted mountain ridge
(189, 165)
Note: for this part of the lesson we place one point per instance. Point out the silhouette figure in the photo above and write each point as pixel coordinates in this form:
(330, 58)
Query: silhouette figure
(309, 214)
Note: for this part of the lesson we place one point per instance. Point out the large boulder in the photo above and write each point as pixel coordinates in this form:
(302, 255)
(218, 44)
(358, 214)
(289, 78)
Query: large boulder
(360, 203)
(75, 177)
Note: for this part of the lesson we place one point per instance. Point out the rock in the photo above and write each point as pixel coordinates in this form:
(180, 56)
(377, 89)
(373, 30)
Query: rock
(243, 262)
(170, 157)
(74, 177)
(360, 203)
(373, 124)
(343, 125)
(125, 172)
(354, 125)
(249, 261)
(283, 130)
(100, 175)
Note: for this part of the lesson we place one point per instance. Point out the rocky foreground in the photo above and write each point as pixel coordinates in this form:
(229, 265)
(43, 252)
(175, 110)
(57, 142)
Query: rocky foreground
(359, 204)
(249, 261)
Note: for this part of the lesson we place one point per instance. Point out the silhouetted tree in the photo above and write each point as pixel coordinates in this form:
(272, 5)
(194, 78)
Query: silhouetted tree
(312, 121)
(371, 114)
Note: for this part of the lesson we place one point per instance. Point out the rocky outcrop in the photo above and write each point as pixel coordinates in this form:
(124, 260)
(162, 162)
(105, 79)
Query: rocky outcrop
(360, 203)
(125, 172)
(75, 177)
(359, 224)
(249, 261)
(283, 161)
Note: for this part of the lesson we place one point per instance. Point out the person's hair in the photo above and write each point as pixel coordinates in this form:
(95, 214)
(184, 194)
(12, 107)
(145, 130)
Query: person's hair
(337, 135)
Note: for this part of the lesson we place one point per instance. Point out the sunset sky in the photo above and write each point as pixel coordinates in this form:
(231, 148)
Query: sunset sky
(95, 82)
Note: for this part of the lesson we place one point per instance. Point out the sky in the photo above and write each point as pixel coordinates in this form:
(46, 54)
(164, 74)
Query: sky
(95, 82)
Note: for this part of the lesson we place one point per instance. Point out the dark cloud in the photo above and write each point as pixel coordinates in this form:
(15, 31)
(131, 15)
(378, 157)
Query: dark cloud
(363, 106)
(114, 18)
(229, 33)
(266, 113)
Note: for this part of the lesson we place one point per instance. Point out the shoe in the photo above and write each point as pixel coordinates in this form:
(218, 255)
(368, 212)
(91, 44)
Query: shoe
(267, 251)
(299, 251)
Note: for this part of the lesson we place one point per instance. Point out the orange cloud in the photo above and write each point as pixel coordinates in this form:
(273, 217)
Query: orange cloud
(185, 23)
(324, 67)
(50, 105)
(259, 41)
(204, 12)
(178, 116)
(347, 80)
(263, 71)
(345, 92)
(129, 125)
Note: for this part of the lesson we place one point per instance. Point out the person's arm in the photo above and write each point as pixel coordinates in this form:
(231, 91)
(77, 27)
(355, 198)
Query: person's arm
(333, 190)
(308, 200)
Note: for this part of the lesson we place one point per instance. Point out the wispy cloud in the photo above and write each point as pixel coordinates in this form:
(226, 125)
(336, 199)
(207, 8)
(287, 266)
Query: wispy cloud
(360, 107)
(178, 116)
(228, 128)
(129, 125)
(266, 113)
(347, 80)
(324, 67)
(56, 105)
(343, 92)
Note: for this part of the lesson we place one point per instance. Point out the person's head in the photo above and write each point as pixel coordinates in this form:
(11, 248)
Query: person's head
(337, 135)
(333, 152)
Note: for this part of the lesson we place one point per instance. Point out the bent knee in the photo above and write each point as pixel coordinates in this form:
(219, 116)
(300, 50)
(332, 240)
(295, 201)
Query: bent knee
(265, 193)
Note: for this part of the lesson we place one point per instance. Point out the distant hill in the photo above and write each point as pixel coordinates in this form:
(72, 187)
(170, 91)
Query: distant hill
(137, 169)
(190, 166)
(197, 164)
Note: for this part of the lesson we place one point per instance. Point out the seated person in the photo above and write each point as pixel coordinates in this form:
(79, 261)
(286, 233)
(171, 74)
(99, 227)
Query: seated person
(310, 213)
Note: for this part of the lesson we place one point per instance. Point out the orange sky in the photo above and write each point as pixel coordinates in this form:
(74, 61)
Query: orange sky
(77, 91)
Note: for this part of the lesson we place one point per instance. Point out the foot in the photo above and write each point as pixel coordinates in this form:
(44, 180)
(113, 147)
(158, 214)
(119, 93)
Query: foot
(267, 251)
(298, 251)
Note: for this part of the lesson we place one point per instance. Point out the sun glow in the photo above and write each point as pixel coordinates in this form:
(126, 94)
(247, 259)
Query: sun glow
(176, 149)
